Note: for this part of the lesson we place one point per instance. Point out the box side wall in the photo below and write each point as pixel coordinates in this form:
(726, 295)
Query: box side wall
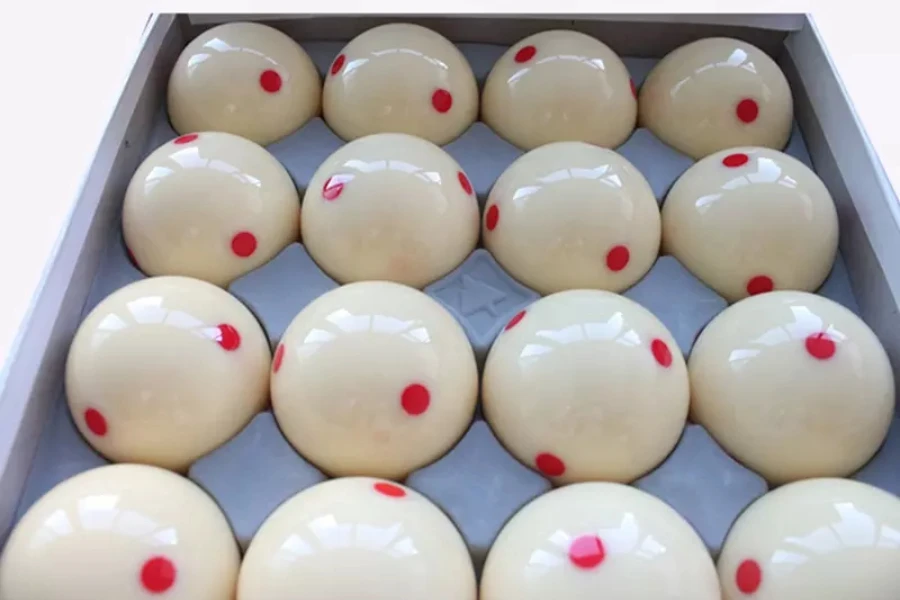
(777, 21)
(846, 162)
(36, 371)
(638, 38)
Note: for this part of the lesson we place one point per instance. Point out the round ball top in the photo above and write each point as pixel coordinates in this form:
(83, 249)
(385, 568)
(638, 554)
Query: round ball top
(793, 385)
(357, 537)
(122, 531)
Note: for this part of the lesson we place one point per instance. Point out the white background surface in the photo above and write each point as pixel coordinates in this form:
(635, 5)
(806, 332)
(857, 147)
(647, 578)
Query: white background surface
(63, 79)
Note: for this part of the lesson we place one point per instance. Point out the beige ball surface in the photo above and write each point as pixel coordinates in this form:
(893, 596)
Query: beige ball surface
(717, 93)
(400, 78)
(749, 220)
(819, 539)
(559, 86)
(128, 532)
(792, 385)
(570, 215)
(357, 537)
(374, 378)
(598, 540)
(248, 79)
(165, 370)
(209, 205)
(390, 207)
(586, 385)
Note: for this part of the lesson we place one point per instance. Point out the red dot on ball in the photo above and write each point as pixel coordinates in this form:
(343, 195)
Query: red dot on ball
(132, 257)
(525, 54)
(186, 139)
(820, 346)
(760, 285)
(464, 182)
(735, 160)
(389, 489)
(617, 258)
(333, 187)
(661, 352)
(747, 110)
(415, 399)
(228, 337)
(515, 320)
(158, 574)
(441, 100)
(338, 64)
(491, 217)
(270, 81)
(95, 421)
(243, 244)
(748, 577)
(587, 552)
(633, 88)
(279, 358)
(550, 465)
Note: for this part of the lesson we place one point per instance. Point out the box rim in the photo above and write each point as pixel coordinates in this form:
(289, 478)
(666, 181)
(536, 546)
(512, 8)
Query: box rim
(773, 21)
(32, 343)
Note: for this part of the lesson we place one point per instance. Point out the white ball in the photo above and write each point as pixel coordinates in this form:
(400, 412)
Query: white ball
(374, 378)
(127, 532)
(212, 206)
(819, 539)
(400, 78)
(717, 93)
(598, 540)
(748, 220)
(164, 370)
(559, 86)
(793, 385)
(243, 78)
(390, 207)
(357, 538)
(571, 215)
(586, 385)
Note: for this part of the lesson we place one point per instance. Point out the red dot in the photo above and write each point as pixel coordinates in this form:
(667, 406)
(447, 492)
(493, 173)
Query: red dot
(270, 81)
(760, 285)
(228, 337)
(464, 182)
(820, 346)
(95, 421)
(158, 574)
(492, 216)
(441, 100)
(186, 139)
(243, 244)
(748, 577)
(415, 399)
(525, 54)
(338, 64)
(735, 160)
(617, 258)
(515, 320)
(586, 552)
(633, 88)
(279, 357)
(333, 187)
(389, 489)
(131, 256)
(661, 352)
(747, 110)
(549, 465)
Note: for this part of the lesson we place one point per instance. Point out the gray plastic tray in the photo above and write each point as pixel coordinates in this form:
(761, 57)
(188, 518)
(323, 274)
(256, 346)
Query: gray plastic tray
(477, 483)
